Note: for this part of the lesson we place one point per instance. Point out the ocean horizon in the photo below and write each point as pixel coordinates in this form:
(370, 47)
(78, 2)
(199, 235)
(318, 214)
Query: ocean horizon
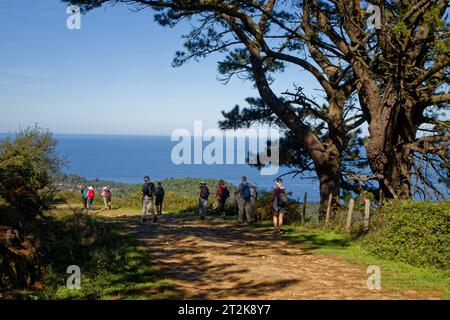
(128, 158)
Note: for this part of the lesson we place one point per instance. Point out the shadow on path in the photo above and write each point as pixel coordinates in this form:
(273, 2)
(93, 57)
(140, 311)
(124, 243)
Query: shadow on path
(216, 259)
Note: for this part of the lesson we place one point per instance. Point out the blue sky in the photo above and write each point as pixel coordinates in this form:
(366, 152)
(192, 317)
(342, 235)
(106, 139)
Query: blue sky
(114, 76)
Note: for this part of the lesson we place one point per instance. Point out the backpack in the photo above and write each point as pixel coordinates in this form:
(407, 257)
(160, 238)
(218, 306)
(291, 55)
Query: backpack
(159, 193)
(282, 198)
(149, 189)
(204, 192)
(225, 194)
(246, 193)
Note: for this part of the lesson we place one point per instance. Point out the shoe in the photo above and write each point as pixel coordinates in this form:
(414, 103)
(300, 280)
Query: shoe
(144, 220)
(155, 219)
(202, 218)
(274, 231)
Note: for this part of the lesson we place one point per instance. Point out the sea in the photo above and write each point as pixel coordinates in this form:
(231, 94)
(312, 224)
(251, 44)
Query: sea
(127, 159)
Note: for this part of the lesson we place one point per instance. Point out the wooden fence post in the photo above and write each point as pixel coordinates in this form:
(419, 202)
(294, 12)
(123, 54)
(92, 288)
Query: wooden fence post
(351, 205)
(330, 199)
(367, 215)
(305, 199)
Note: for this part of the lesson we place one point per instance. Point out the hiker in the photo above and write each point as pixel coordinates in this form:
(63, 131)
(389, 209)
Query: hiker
(148, 191)
(84, 194)
(107, 196)
(91, 197)
(203, 200)
(159, 196)
(244, 200)
(280, 202)
(222, 195)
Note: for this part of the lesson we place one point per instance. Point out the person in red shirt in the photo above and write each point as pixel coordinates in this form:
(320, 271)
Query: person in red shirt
(222, 195)
(91, 197)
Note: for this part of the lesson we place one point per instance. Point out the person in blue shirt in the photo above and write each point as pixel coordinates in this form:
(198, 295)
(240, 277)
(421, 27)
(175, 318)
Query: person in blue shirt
(244, 199)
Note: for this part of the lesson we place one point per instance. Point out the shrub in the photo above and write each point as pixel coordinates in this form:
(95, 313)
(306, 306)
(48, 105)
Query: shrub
(28, 164)
(265, 205)
(417, 233)
(27, 167)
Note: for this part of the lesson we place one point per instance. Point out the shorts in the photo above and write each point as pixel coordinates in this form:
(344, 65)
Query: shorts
(278, 210)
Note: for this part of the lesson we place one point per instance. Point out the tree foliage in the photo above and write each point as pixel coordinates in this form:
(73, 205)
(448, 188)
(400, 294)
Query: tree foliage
(397, 74)
(28, 164)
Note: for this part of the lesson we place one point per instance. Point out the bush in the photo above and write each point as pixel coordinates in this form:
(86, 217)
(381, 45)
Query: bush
(27, 167)
(417, 233)
(265, 208)
(28, 164)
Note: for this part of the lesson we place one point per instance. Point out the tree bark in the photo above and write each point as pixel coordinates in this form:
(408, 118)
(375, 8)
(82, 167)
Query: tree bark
(329, 179)
(391, 127)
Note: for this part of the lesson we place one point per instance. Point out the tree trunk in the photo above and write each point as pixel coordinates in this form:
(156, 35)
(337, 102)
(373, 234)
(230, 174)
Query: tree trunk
(329, 171)
(391, 168)
(326, 154)
(329, 179)
(390, 129)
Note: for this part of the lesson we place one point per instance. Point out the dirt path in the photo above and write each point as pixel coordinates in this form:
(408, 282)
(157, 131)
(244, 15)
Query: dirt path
(220, 260)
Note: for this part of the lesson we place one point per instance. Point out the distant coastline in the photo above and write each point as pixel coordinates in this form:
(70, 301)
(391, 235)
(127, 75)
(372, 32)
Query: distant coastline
(127, 158)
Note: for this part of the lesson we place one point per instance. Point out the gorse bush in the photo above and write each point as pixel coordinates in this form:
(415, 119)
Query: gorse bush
(417, 233)
(28, 164)
(265, 208)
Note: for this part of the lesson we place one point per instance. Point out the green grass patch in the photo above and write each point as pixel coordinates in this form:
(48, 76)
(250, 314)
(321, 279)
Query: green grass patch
(113, 266)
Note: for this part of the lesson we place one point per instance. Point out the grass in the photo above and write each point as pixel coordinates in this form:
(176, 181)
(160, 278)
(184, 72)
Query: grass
(395, 276)
(113, 267)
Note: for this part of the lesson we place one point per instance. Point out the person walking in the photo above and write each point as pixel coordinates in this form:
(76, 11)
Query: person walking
(244, 196)
(203, 199)
(280, 201)
(84, 195)
(159, 198)
(148, 192)
(91, 197)
(222, 195)
(107, 198)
